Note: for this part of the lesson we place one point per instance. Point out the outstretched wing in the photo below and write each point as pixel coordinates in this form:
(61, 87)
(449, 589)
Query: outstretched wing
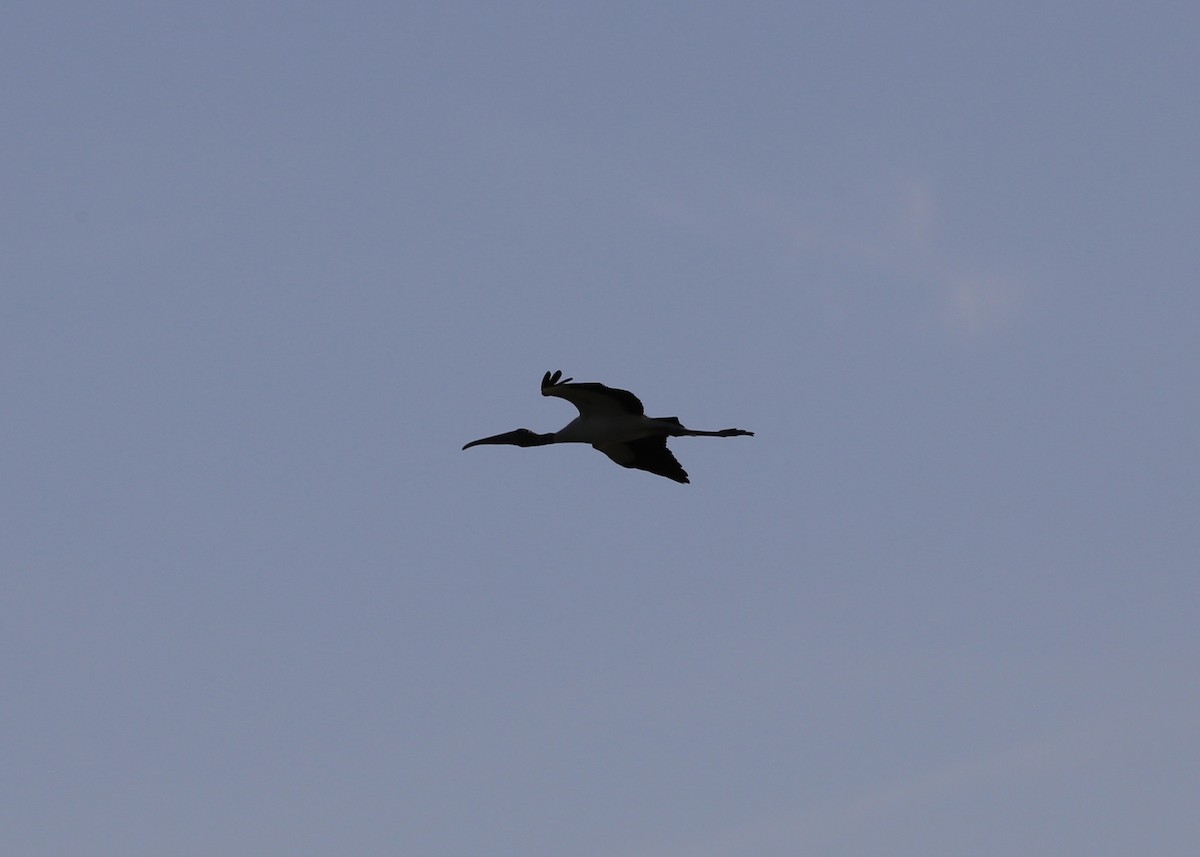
(592, 400)
(646, 453)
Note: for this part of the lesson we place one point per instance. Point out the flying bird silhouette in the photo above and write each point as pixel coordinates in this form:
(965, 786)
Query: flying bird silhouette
(614, 422)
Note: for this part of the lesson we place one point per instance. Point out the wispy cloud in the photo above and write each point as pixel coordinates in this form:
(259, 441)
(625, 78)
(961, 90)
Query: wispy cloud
(802, 829)
(888, 226)
(978, 303)
(1020, 759)
(898, 233)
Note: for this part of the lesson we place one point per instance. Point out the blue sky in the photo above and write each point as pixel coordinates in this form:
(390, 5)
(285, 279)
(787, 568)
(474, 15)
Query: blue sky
(268, 267)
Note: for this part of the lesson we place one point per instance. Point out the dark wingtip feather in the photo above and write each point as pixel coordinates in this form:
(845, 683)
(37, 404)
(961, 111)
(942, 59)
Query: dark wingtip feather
(553, 380)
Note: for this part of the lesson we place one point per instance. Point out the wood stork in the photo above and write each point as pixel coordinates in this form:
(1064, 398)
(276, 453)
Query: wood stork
(614, 422)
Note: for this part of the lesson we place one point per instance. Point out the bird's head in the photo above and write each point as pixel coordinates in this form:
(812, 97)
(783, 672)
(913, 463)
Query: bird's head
(519, 437)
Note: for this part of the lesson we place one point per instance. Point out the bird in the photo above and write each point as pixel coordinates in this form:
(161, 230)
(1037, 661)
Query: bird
(614, 422)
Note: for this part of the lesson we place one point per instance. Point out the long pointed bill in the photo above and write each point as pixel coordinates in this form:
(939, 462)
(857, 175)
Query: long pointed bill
(514, 438)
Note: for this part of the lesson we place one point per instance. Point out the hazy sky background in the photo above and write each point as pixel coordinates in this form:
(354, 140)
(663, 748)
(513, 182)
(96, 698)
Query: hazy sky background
(267, 266)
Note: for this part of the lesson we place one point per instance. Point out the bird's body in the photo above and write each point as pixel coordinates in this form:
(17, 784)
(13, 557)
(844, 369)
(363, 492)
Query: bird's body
(614, 422)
